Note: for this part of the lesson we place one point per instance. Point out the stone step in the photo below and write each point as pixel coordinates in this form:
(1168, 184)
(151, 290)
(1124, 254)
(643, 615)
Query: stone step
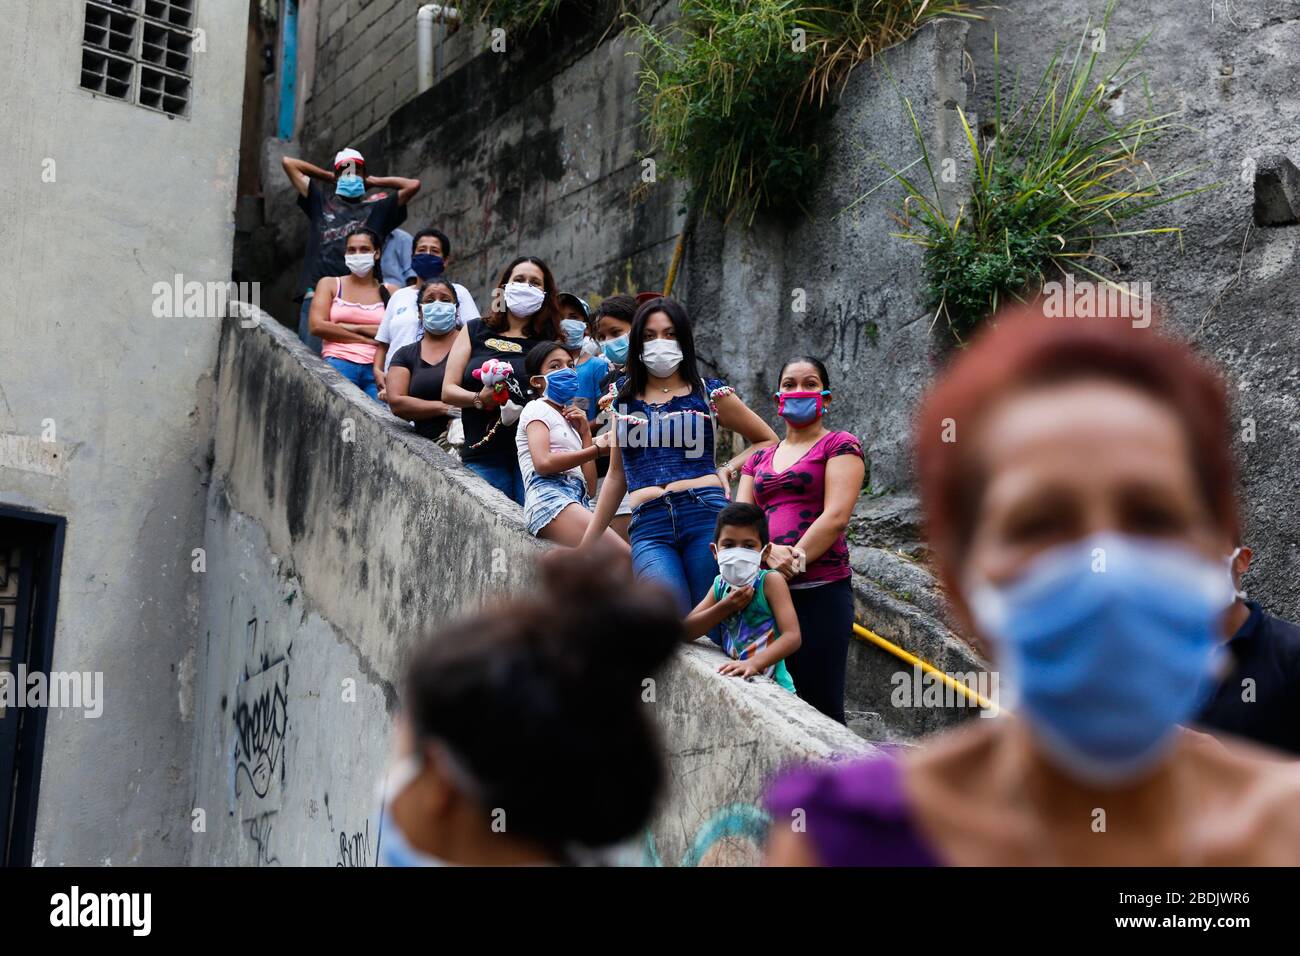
(898, 599)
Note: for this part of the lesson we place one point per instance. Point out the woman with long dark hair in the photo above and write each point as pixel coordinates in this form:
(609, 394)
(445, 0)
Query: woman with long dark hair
(524, 313)
(807, 486)
(346, 311)
(666, 421)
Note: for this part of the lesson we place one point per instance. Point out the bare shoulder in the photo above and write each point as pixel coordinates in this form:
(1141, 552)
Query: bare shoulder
(1252, 798)
(951, 754)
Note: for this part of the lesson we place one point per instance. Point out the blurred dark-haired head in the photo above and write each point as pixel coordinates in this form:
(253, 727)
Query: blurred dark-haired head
(539, 699)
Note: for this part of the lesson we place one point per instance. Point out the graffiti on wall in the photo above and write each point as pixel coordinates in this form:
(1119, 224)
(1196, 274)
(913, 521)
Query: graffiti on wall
(261, 719)
(261, 722)
(852, 325)
(259, 832)
(354, 848)
(732, 836)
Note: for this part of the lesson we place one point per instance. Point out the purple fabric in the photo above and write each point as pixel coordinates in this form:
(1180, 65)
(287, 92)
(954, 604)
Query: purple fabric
(856, 813)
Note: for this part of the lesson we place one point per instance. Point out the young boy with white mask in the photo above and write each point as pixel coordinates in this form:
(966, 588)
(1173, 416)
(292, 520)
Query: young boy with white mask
(749, 605)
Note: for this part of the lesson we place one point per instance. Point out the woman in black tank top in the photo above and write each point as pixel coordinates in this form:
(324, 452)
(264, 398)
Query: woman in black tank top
(524, 313)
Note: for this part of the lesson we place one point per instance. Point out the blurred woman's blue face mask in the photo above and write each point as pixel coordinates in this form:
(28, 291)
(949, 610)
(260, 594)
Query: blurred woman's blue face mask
(1105, 645)
(394, 848)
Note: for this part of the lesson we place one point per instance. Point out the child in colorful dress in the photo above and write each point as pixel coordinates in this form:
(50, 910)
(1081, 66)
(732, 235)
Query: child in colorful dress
(759, 629)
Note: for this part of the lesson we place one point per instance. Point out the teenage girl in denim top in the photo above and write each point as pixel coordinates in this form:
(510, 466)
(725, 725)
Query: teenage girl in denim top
(667, 418)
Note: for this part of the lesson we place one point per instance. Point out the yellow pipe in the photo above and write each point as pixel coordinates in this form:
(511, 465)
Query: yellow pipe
(926, 666)
(676, 261)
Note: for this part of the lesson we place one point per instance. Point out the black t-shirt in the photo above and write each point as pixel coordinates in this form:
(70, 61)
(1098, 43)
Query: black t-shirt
(1267, 651)
(334, 219)
(426, 384)
(487, 343)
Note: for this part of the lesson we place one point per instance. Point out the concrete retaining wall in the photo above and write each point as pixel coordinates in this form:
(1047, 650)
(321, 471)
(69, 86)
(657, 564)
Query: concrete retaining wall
(335, 540)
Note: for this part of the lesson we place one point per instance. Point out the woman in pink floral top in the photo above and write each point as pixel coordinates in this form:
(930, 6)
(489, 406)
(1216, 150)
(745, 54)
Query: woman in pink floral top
(808, 485)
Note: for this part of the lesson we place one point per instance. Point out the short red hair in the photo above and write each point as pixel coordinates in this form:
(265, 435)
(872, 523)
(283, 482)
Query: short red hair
(1024, 349)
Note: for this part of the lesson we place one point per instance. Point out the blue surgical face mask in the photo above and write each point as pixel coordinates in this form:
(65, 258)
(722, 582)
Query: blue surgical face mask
(1106, 645)
(616, 350)
(562, 386)
(439, 318)
(573, 332)
(350, 186)
(426, 265)
(394, 848)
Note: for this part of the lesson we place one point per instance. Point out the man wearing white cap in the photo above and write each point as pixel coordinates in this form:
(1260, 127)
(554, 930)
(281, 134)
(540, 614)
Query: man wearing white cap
(335, 214)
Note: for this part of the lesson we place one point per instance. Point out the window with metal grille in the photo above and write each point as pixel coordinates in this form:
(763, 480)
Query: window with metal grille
(30, 555)
(140, 51)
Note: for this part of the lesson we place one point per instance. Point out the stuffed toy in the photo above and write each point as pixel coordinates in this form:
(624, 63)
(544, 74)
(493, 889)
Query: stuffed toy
(496, 374)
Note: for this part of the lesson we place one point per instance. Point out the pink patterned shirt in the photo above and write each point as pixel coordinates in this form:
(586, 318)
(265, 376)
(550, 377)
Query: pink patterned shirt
(795, 497)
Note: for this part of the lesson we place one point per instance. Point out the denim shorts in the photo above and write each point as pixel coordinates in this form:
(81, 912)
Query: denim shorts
(545, 496)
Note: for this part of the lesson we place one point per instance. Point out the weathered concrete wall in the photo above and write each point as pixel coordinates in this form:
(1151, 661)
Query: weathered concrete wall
(536, 150)
(1228, 71)
(336, 540)
(837, 286)
(102, 199)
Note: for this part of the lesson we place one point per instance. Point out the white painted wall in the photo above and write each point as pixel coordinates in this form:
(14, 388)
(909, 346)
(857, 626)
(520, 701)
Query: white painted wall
(137, 197)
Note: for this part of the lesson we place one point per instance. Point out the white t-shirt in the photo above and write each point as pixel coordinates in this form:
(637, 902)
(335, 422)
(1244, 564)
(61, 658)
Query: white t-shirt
(564, 437)
(401, 324)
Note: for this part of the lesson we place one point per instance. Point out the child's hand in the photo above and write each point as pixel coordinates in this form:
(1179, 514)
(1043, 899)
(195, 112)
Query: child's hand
(738, 599)
(745, 669)
(578, 419)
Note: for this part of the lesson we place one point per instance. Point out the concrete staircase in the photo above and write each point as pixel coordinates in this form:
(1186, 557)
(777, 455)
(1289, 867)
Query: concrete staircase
(897, 597)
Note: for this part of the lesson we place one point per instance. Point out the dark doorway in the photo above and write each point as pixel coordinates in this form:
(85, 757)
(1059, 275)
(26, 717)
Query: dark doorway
(31, 551)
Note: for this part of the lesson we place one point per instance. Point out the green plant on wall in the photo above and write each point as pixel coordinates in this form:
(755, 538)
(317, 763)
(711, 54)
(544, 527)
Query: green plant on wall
(734, 90)
(1056, 174)
(521, 14)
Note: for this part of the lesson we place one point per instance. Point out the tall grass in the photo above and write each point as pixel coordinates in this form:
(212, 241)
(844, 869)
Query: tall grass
(1055, 175)
(734, 90)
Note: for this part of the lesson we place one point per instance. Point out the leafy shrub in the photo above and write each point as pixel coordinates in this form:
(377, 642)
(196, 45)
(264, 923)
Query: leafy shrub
(735, 90)
(1057, 175)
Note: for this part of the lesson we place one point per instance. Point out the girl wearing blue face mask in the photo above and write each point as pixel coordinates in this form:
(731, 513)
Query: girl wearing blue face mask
(1079, 493)
(414, 384)
(556, 454)
(522, 715)
(611, 323)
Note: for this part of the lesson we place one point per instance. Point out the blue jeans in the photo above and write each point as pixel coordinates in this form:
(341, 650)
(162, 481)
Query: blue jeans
(671, 535)
(307, 338)
(506, 479)
(362, 376)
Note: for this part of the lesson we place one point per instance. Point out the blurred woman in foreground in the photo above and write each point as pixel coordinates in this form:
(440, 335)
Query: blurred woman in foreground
(1079, 492)
(524, 739)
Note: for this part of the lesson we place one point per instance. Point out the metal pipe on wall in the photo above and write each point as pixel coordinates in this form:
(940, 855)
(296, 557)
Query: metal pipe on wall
(428, 15)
